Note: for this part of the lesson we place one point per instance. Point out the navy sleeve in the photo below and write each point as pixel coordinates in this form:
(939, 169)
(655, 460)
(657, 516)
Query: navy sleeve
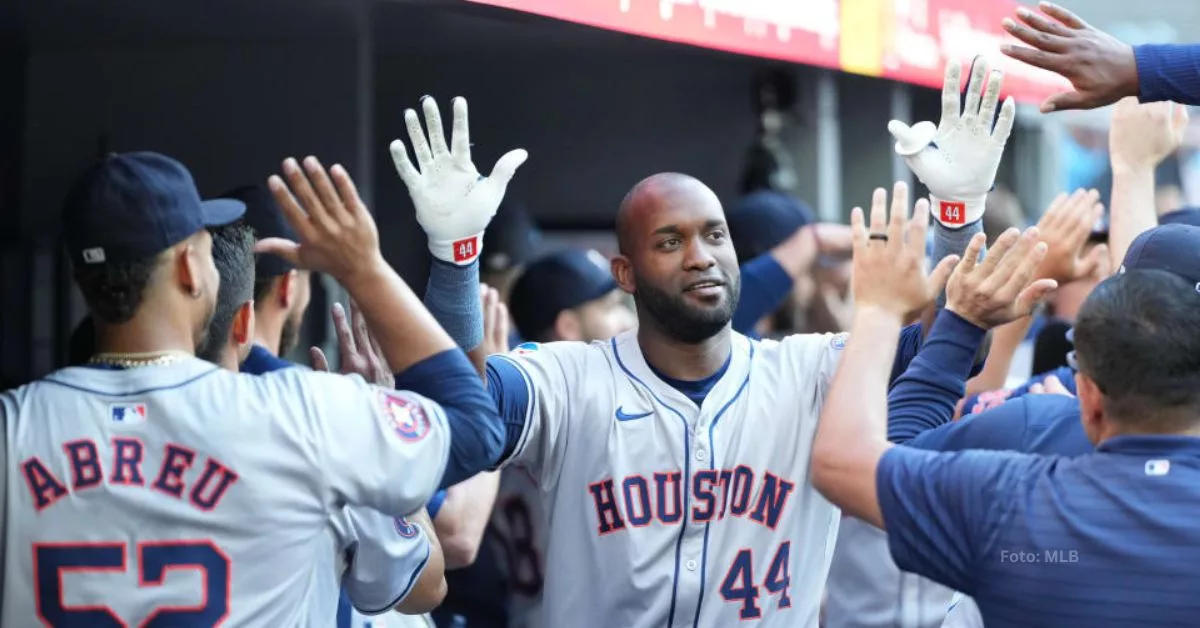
(1168, 72)
(510, 391)
(1004, 427)
(942, 511)
(923, 396)
(765, 284)
(911, 338)
(476, 432)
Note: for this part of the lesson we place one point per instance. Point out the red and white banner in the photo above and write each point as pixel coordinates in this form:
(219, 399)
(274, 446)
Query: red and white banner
(904, 40)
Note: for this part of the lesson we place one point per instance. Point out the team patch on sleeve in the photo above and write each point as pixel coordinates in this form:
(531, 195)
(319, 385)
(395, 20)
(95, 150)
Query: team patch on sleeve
(838, 341)
(406, 417)
(406, 528)
(525, 348)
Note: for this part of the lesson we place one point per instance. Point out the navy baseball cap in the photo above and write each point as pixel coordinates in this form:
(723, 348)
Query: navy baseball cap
(132, 206)
(511, 239)
(1174, 248)
(559, 281)
(266, 219)
(1182, 216)
(761, 221)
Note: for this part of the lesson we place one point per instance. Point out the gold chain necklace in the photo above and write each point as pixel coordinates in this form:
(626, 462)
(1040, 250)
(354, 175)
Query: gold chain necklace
(135, 360)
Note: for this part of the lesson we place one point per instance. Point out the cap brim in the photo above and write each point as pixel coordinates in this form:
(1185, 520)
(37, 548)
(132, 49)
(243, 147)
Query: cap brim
(221, 211)
(1071, 335)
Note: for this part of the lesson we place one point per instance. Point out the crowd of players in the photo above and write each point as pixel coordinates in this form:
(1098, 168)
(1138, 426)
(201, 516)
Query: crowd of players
(785, 427)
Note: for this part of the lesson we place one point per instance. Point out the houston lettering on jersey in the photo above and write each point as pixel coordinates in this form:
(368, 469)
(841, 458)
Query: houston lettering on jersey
(204, 482)
(636, 501)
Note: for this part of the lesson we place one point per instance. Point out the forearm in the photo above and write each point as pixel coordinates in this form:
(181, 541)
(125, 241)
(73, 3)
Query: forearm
(852, 433)
(1132, 208)
(452, 296)
(925, 395)
(430, 588)
(1168, 72)
(1005, 340)
(948, 241)
(406, 331)
(464, 517)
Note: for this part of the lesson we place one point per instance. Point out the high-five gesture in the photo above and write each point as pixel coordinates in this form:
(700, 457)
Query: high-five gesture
(959, 157)
(1003, 287)
(360, 352)
(889, 256)
(454, 202)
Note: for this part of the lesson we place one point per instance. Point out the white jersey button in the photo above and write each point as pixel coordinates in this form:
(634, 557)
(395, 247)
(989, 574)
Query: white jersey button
(700, 455)
(691, 565)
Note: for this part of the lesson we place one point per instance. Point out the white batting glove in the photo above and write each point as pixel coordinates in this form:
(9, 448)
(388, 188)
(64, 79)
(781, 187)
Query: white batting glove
(958, 159)
(454, 202)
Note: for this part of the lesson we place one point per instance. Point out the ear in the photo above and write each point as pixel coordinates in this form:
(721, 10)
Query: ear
(567, 326)
(1091, 407)
(243, 324)
(622, 271)
(188, 265)
(287, 288)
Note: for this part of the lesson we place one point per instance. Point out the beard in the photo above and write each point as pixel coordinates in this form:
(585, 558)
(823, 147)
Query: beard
(682, 321)
(289, 336)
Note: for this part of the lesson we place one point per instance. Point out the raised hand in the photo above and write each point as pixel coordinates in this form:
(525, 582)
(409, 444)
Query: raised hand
(495, 321)
(1141, 136)
(1065, 228)
(1101, 68)
(360, 353)
(1003, 287)
(889, 256)
(336, 231)
(454, 202)
(958, 159)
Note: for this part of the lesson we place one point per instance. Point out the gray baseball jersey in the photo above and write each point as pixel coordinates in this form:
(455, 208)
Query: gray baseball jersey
(377, 560)
(520, 525)
(867, 590)
(663, 513)
(189, 495)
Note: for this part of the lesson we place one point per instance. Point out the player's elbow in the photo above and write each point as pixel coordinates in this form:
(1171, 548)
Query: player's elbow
(478, 434)
(428, 594)
(460, 548)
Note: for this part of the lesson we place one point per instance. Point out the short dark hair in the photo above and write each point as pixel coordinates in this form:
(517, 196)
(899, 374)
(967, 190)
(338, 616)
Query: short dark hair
(233, 255)
(1137, 337)
(114, 290)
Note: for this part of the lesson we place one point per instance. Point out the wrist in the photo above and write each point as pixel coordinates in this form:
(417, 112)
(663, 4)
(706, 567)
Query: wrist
(877, 315)
(366, 276)
(1129, 167)
(460, 252)
(956, 212)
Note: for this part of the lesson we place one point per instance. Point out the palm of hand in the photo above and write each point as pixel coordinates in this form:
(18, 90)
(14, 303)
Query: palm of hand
(964, 171)
(451, 188)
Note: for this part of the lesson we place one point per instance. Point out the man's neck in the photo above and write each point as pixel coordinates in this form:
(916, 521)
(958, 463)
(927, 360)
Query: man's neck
(684, 361)
(145, 333)
(268, 330)
(229, 359)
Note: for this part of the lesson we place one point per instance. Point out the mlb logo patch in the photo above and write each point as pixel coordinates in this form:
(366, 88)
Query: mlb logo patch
(127, 413)
(838, 342)
(406, 417)
(525, 348)
(1156, 468)
(405, 528)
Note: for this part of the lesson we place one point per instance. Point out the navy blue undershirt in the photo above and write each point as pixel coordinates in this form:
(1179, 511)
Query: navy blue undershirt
(696, 390)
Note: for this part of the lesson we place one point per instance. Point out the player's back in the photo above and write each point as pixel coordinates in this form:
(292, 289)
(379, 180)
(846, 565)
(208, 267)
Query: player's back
(181, 495)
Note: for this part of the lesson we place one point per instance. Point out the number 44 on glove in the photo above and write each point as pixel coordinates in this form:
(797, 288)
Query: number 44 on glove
(454, 202)
(958, 159)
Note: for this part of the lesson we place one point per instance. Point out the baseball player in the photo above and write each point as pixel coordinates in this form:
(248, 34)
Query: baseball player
(672, 460)
(154, 488)
(379, 562)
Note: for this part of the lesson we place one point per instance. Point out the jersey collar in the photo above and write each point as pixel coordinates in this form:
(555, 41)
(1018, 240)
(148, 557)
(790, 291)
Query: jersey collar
(629, 355)
(1151, 445)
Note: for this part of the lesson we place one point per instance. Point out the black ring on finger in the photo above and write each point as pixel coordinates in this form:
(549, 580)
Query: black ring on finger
(878, 236)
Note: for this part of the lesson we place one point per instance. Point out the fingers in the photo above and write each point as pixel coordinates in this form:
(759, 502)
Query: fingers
(500, 338)
(918, 227)
(899, 215)
(378, 349)
(460, 140)
(1032, 56)
(433, 125)
(488, 297)
(974, 88)
(404, 168)
(991, 97)
(1042, 24)
(1179, 117)
(951, 90)
(1063, 101)
(941, 273)
(1052, 216)
(879, 211)
(833, 238)
(319, 363)
(1026, 256)
(1095, 263)
(1054, 386)
(324, 189)
(911, 140)
(1033, 294)
(971, 256)
(1062, 15)
(858, 230)
(358, 329)
(999, 249)
(295, 216)
(347, 191)
(1004, 124)
(417, 137)
(288, 250)
(507, 166)
(299, 185)
(341, 327)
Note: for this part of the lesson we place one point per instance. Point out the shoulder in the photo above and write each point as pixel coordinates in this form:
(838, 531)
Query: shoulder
(804, 351)
(564, 355)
